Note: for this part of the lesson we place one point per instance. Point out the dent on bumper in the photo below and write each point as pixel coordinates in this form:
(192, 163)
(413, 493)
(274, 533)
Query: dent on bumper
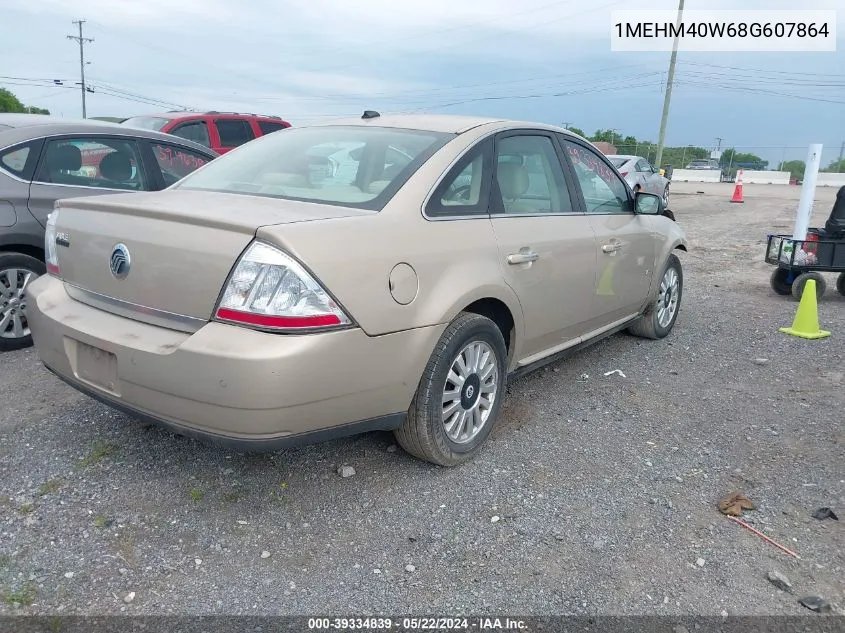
(230, 383)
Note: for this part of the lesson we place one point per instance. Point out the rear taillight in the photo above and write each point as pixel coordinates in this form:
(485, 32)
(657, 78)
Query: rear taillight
(270, 290)
(623, 173)
(51, 254)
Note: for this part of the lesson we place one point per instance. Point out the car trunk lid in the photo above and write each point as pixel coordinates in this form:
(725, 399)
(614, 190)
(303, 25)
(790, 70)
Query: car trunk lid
(180, 247)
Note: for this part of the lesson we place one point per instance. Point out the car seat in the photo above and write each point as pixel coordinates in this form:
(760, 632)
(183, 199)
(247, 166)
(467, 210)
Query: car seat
(513, 183)
(60, 161)
(117, 169)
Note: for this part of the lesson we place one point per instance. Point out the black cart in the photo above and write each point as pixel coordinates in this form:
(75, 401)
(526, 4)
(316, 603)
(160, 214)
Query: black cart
(798, 261)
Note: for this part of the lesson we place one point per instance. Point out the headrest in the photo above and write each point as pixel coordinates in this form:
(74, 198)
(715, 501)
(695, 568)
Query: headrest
(513, 180)
(116, 166)
(64, 157)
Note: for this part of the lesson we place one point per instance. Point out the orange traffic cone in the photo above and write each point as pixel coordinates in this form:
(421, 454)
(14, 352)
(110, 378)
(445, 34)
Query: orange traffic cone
(737, 197)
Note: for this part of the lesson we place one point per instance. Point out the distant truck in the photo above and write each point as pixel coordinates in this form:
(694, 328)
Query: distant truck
(704, 164)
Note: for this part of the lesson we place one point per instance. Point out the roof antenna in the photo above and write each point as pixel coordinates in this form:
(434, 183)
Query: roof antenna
(370, 114)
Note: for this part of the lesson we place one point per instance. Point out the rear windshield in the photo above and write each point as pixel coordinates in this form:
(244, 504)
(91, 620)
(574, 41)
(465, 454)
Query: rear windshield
(146, 122)
(618, 162)
(354, 166)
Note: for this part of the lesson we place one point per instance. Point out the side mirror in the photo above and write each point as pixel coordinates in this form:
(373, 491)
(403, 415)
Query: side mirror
(648, 203)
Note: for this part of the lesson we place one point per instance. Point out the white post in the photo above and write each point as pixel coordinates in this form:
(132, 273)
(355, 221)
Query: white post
(808, 192)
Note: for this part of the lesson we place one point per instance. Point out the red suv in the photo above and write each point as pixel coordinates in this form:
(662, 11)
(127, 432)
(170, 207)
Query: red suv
(220, 131)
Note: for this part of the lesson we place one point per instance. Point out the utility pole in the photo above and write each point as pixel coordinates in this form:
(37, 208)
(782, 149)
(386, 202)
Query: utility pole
(719, 140)
(667, 97)
(566, 125)
(81, 41)
(841, 154)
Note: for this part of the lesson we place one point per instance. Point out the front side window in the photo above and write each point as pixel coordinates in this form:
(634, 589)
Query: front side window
(92, 162)
(529, 177)
(196, 131)
(644, 166)
(352, 166)
(603, 190)
(176, 162)
(234, 132)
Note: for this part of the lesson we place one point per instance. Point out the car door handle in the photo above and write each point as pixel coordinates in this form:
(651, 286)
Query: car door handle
(611, 248)
(523, 257)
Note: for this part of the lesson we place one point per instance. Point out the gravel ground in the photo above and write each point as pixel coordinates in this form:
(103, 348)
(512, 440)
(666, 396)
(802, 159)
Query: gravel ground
(594, 496)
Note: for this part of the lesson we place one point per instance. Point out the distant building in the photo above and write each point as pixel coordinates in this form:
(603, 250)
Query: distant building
(605, 148)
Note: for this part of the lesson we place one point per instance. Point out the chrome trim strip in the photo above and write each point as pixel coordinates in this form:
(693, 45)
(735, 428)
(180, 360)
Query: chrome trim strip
(57, 184)
(573, 342)
(133, 311)
(12, 176)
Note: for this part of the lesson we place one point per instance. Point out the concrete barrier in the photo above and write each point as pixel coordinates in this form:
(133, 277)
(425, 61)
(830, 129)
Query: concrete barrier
(696, 175)
(753, 177)
(830, 180)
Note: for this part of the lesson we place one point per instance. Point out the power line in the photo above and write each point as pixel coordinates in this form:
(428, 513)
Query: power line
(81, 41)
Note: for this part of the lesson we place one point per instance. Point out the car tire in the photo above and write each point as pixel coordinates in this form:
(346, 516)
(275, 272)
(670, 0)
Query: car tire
(13, 305)
(840, 284)
(666, 197)
(660, 316)
(427, 433)
(778, 282)
(801, 281)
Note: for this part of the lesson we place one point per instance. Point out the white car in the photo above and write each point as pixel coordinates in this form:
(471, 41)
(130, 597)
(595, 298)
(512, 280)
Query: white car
(641, 175)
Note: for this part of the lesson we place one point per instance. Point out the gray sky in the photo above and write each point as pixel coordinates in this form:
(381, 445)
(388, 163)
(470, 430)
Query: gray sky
(540, 60)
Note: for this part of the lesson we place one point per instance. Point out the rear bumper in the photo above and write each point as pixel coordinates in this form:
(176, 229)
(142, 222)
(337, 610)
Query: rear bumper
(229, 384)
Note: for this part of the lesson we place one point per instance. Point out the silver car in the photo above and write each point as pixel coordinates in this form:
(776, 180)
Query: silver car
(43, 159)
(641, 175)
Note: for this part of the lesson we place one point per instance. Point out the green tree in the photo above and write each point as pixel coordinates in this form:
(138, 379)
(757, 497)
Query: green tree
(10, 103)
(730, 157)
(836, 167)
(578, 131)
(794, 167)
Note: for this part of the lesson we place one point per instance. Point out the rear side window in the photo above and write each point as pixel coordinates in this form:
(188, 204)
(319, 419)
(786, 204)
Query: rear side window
(196, 131)
(234, 132)
(465, 189)
(92, 162)
(176, 162)
(267, 127)
(19, 160)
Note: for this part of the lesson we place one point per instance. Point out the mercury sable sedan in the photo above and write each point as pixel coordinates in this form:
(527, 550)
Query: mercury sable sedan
(387, 272)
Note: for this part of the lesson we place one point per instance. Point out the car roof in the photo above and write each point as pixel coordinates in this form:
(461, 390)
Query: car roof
(17, 128)
(184, 114)
(448, 123)
(442, 123)
(625, 156)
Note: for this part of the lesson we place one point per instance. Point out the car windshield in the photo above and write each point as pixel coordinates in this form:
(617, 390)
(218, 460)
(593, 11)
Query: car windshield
(353, 166)
(154, 123)
(618, 162)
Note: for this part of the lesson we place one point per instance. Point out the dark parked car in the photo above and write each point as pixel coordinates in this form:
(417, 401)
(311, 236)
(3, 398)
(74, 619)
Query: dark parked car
(43, 159)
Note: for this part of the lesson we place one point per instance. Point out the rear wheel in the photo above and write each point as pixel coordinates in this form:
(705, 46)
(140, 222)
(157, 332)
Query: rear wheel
(801, 281)
(459, 397)
(840, 284)
(780, 282)
(659, 318)
(17, 271)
